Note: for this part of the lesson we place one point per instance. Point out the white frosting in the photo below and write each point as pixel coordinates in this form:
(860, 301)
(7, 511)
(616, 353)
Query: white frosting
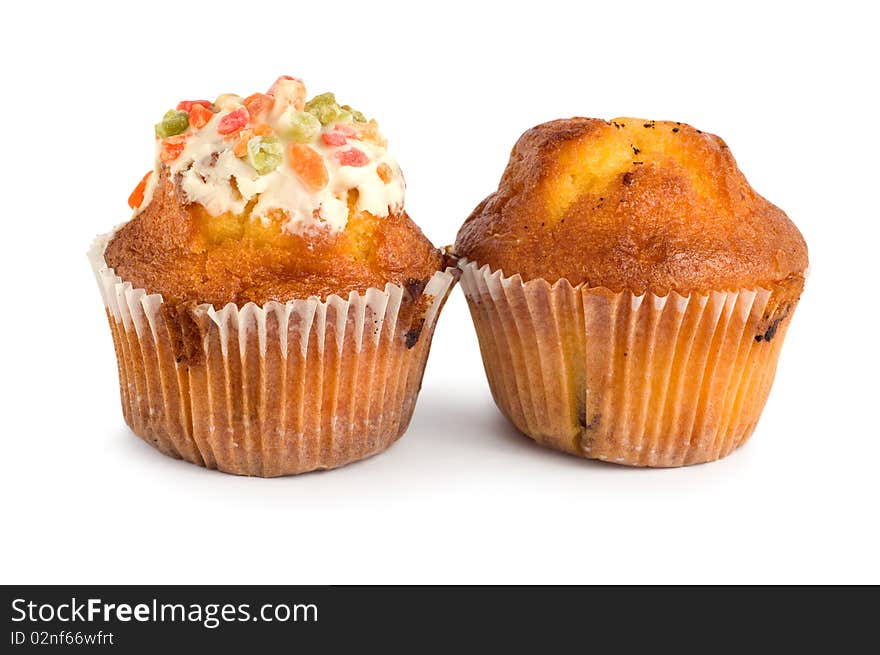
(209, 173)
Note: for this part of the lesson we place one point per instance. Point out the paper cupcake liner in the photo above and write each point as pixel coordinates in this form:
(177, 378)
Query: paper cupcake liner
(642, 380)
(270, 390)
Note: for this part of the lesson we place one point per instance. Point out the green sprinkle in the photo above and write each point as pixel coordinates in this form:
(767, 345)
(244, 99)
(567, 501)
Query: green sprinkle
(265, 153)
(358, 116)
(325, 108)
(173, 122)
(299, 126)
(320, 100)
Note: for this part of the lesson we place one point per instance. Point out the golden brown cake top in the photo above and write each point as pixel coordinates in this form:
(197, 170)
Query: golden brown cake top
(269, 197)
(630, 204)
(191, 257)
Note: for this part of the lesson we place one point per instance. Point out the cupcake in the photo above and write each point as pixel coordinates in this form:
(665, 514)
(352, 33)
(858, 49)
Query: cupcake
(630, 291)
(271, 302)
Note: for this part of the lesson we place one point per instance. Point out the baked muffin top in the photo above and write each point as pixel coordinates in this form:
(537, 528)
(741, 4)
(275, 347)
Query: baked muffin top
(269, 197)
(630, 204)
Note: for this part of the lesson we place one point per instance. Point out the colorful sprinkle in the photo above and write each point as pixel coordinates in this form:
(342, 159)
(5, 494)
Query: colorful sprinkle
(240, 147)
(265, 153)
(199, 115)
(370, 132)
(228, 102)
(347, 130)
(173, 122)
(233, 121)
(299, 126)
(352, 157)
(274, 87)
(136, 199)
(334, 138)
(325, 109)
(187, 105)
(308, 165)
(172, 147)
(355, 114)
(383, 170)
(258, 104)
(289, 93)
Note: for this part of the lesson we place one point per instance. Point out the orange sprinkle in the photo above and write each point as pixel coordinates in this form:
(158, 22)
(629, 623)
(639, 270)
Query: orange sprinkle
(136, 198)
(199, 116)
(370, 132)
(172, 147)
(240, 147)
(308, 165)
(384, 172)
(258, 103)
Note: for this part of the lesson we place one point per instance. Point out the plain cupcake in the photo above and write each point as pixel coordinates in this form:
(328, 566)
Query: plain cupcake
(630, 291)
(271, 303)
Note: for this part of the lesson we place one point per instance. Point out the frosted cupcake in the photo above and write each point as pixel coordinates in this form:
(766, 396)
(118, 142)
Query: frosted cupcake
(271, 303)
(630, 291)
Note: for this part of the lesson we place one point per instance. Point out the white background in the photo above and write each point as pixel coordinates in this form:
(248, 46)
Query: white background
(462, 497)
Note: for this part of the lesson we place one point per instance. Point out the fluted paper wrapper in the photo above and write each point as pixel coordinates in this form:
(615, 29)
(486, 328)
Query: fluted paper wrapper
(270, 390)
(637, 379)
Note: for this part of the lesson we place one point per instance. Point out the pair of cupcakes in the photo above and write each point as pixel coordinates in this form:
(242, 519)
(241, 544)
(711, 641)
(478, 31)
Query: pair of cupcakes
(272, 305)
